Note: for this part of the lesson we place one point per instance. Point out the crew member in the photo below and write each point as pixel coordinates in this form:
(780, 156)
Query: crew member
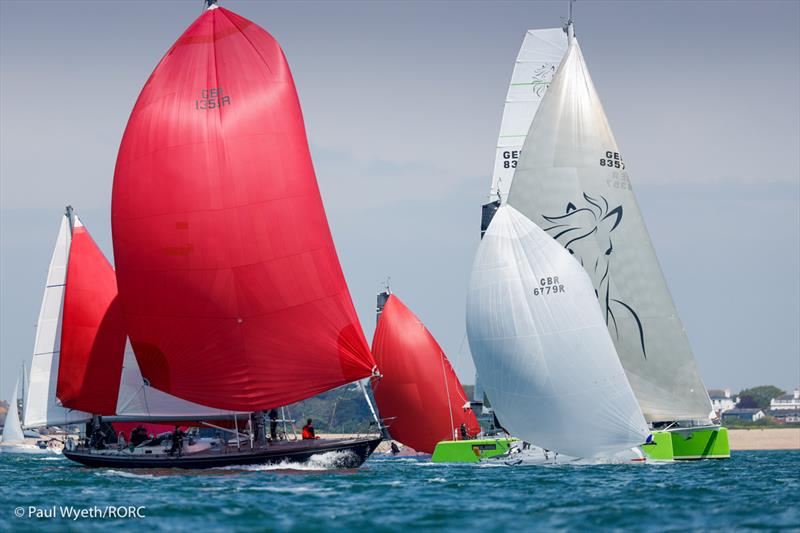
(138, 435)
(177, 441)
(308, 430)
(273, 424)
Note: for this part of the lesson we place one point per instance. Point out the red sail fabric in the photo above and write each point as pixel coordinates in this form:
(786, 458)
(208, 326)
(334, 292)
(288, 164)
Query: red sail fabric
(419, 388)
(230, 284)
(92, 332)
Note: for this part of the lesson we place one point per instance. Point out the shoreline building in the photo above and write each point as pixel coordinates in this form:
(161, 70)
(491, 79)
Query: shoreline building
(786, 401)
(722, 401)
(744, 415)
(786, 408)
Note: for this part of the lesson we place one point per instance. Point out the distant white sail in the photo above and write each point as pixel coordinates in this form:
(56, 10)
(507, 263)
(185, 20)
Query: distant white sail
(572, 181)
(541, 345)
(12, 431)
(537, 62)
(139, 401)
(41, 407)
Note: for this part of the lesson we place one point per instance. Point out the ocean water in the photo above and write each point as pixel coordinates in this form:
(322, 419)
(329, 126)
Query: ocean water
(751, 491)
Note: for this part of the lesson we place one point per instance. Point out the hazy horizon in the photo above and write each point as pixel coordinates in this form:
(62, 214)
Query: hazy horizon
(402, 104)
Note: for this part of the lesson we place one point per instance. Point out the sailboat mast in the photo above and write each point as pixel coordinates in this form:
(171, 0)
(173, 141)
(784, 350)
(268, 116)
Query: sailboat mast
(569, 28)
(23, 383)
(68, 213)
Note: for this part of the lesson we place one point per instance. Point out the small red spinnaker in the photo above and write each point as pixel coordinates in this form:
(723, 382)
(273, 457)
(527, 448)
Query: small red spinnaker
(419, 392)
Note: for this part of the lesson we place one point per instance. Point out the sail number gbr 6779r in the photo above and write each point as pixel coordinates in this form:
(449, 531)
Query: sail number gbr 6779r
(548, 285)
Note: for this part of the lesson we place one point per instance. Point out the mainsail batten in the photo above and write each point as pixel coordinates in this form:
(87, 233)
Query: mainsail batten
(572, 181)
(231, 288)
(419, 394)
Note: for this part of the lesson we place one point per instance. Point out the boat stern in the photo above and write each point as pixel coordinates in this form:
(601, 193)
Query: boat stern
(700, 443)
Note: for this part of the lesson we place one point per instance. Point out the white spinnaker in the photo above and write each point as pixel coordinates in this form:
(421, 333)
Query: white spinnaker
(41, 405)
(12, 431)
(537, 62)
(139, 401)
(541, 345)
(572, 182)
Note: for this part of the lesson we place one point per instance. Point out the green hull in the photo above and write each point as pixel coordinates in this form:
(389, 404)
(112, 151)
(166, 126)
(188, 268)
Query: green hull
(469, 451)
(660, 449)
(701, 443)
(688, 445)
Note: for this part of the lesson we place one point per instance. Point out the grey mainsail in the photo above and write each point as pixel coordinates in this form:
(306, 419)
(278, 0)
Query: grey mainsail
(572, 182)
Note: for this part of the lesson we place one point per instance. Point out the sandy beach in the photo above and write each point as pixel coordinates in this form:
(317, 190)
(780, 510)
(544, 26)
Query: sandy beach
(764, 439)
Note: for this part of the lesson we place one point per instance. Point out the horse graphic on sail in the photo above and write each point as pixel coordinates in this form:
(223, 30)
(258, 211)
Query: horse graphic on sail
(578, 229)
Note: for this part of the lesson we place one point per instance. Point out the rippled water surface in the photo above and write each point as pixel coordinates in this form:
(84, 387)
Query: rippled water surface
(753, 490)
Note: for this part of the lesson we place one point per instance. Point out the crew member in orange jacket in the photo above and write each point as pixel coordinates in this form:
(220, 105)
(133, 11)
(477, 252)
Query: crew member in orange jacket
(308, 430)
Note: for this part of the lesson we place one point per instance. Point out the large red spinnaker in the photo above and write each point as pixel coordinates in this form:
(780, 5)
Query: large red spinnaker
(92, 332)
(230, 284)
(419, 389)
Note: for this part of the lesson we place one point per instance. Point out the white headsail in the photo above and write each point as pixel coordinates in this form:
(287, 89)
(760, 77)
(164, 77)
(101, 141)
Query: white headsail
(541, 346)
(572, 182)
(12, 432)
(139, 401)
(41, 406)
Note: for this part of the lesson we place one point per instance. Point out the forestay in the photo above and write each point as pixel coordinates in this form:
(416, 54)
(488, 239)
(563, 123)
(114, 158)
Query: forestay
(572, 181)
(541, 345)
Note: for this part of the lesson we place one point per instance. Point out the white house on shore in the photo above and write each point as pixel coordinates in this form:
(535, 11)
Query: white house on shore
(721, 400)
(786, 401)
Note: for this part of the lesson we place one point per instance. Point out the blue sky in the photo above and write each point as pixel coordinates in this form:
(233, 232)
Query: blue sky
(402, 103)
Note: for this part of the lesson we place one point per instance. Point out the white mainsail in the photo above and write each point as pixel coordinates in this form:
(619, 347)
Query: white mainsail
(12, 431)
(541, 345)
(139, 401)
(537, 62)
(572, 182)
(41, 406)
